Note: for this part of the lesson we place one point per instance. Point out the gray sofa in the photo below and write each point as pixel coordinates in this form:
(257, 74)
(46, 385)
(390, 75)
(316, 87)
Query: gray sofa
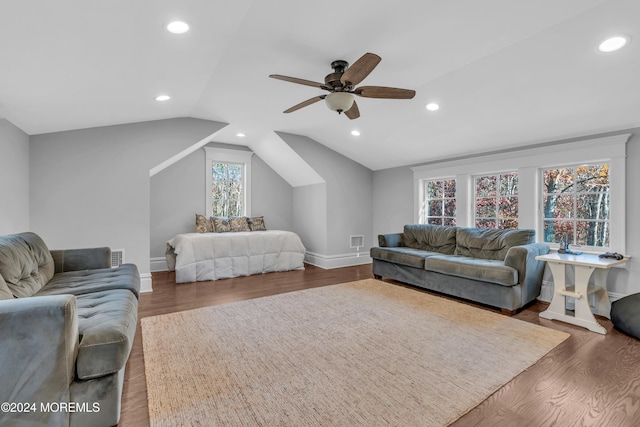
(488, 266)
(67, 325)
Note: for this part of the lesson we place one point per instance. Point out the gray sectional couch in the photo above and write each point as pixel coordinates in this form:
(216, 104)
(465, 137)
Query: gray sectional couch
(488, 266)
(67, 323)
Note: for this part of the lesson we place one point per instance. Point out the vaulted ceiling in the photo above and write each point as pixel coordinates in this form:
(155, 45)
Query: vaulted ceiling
(505, 73)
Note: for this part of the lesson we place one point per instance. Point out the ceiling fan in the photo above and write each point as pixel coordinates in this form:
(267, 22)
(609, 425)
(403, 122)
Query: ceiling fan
(341, 85)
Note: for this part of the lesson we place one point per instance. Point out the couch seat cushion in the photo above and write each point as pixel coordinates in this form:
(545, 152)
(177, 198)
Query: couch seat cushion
(492, 271)
(402, 255)
(107, 325)
(87, 281)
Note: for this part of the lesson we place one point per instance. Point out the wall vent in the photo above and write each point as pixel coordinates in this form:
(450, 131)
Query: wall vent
(356, 241)
(117, 257)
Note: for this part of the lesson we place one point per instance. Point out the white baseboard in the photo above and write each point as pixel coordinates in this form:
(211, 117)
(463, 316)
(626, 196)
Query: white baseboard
(159, 264)
(336, 261)
(146, 282)
(546, 293)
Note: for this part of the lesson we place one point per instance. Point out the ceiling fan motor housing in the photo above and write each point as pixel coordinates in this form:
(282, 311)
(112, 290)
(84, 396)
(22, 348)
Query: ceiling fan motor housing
(333, 79)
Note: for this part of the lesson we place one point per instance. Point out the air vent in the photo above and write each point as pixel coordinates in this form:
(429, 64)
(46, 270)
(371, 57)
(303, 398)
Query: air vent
(117, 257)
(356, 241)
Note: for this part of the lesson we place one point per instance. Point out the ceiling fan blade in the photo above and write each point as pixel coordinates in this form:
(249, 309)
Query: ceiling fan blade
(299, 81)
(305, 103)
(360, 69)
(353, 112)
(384, 92)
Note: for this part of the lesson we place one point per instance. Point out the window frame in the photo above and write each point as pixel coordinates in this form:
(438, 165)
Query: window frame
(497, 196)
(224, 155)
(528, 162)
(574, 219)
(424, 202)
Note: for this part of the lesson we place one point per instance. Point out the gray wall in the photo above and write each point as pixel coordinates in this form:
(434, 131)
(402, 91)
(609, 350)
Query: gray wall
(310, 216)
(178, 193)
(14, 179)
(392, 200)
(349, 195)
(393, 207)
(91, 187)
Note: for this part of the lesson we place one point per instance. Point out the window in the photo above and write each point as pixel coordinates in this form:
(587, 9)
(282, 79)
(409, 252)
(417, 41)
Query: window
(439, 202)
(576, 205)
(228, 175)
(227, 189)
(496, 201)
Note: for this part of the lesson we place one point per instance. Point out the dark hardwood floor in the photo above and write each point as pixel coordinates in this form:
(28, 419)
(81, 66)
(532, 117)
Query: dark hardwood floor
(588, 380)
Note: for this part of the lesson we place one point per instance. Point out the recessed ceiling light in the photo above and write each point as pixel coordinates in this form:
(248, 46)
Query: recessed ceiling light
(355, 133)
(432, 106)
(612, 44)
(177, 27)
(240, 135)
(163, 98)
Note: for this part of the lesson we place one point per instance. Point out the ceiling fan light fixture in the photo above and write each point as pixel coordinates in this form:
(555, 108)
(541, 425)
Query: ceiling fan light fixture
(432, 106)
(339, 101)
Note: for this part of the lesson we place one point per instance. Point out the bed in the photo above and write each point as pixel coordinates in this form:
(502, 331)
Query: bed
(211, 256)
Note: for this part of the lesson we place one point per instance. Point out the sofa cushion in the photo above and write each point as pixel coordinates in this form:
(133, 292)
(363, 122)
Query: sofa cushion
(88, 281)
(492, 271)
(490, 243)
(402, 255)
(5, 293)
(107, 325)
(434, 238)
(25, 263)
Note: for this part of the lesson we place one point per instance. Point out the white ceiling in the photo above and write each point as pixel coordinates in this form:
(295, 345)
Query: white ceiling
(506, 73)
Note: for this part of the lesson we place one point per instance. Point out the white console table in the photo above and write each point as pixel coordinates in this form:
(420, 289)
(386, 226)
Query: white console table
(585, 266)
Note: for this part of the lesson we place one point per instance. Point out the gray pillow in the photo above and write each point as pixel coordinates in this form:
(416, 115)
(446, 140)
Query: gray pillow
(221, 224)
(203, 224)
(256, 223)
(239, 223)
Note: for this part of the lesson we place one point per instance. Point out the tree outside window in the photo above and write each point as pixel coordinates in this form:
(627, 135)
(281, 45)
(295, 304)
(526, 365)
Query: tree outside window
(227, 190)
(496, 201)
(576, 203)
(439, 202)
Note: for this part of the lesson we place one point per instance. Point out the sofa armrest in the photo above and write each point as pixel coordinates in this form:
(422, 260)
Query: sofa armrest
(81, 259)
(39, 338)
(530, 270)
(393, 240)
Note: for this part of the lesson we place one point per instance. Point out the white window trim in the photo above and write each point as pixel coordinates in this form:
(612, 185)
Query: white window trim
(225, 155)
(528, 163)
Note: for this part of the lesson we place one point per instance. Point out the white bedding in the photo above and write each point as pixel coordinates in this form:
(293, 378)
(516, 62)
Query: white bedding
(212, 256)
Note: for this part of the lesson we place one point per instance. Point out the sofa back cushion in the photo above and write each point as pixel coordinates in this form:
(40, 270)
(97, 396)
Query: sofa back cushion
(490, 243)
(5, 293)
(26, 264)
(433, 238)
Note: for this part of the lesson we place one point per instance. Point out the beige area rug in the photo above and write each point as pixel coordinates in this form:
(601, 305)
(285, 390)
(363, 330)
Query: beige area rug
(365, 353)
